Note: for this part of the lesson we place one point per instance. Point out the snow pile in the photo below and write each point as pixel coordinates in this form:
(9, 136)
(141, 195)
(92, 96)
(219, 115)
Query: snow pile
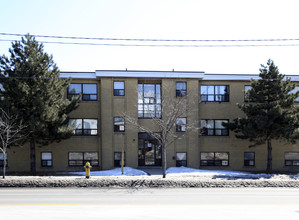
(128, 171)
(182, 171)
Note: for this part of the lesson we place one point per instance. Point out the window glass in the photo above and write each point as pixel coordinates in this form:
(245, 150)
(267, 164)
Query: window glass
(246, 89)
(294, 91)
(140, 93)
(149, 100)
(76, 122)
(1, 156)
(119, 85)
(76, 156)
(46, 156)
(149, 90)
(292, 156)
(89, 88)
(207, 156)
(181, 89)
(119, 124)
(75, 88)
(249, 155)
(119, 88)
(158, 93)
(91, 156)
(221, 156)
(181, 86)
(90, 123)
(181, 124)
(181, 156)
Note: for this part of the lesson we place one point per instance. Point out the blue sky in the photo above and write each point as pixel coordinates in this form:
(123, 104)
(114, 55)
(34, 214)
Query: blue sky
(158, 19)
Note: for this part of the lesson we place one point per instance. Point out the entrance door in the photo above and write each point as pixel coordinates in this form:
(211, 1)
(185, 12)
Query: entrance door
(149, 153)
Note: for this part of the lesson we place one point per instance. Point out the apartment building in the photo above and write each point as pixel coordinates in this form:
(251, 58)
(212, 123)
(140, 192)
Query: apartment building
(102, 133)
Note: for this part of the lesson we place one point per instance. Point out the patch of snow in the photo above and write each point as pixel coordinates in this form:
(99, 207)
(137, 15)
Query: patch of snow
(192, 171)
(128, 171)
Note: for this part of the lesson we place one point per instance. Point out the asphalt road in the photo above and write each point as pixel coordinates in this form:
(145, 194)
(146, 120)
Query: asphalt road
(90, 203)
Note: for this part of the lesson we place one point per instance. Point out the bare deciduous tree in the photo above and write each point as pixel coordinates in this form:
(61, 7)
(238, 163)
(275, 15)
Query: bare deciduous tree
(10, 133)
(164, 128)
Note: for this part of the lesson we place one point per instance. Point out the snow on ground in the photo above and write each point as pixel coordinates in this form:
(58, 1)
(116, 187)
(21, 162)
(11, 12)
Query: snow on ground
(191, 171)
(128, 171)
(177, 172)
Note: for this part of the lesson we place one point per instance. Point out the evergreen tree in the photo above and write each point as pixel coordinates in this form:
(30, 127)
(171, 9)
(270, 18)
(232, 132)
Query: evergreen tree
(33, 91)
(271, 113)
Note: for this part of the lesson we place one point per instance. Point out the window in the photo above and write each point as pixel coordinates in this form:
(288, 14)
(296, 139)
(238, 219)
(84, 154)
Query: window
(117, 159)
(181, 159)
(249, 159)
(1, 92)
(118, 88)
(181, 124)
(213, 127)
(294, 91)
(2, 159)
(119, 124)
(46, 159)
(246, 89)
(149, 101)
(181, 89)
(88, 91)
(212, 93)
(291, 158)
(81, 158)
(214, 159)
(85, 126)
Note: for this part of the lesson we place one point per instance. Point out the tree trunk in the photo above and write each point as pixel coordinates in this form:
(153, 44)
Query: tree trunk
(32, 157)
(269, 158)
(164, 160)
(4, 164)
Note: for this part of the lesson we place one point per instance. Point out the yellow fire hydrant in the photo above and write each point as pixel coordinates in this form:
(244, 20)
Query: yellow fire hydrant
(87, 169)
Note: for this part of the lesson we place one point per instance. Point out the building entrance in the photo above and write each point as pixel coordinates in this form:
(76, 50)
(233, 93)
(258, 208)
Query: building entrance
(149, 151)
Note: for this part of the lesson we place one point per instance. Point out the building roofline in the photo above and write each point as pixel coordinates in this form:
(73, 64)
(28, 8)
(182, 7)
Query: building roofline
(200, 75)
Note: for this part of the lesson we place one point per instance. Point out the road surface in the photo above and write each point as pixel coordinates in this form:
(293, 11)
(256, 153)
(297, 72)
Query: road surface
(92, 203)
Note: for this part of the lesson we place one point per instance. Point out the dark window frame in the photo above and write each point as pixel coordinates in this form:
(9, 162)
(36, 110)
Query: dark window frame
(180, 92)
(180, 163)
(247, 161)
(83, 130)
(117, 127)
(94, 163)
(119, 92)
(224, 97)
(84, 95)
(214, 129)
(178, 128)
(291, 163)
(214, 162)
(117, 163)
(152, 102)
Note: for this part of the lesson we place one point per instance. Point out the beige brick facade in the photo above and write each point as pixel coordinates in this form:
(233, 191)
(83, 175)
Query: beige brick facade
(107, 142)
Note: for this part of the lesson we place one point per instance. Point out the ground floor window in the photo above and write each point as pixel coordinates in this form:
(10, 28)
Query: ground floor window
(81, 158)
(249, 159)
(214, 159)
(181, 159)
(118, 158)
(291, 158)
(2, 159)
(46, 159)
